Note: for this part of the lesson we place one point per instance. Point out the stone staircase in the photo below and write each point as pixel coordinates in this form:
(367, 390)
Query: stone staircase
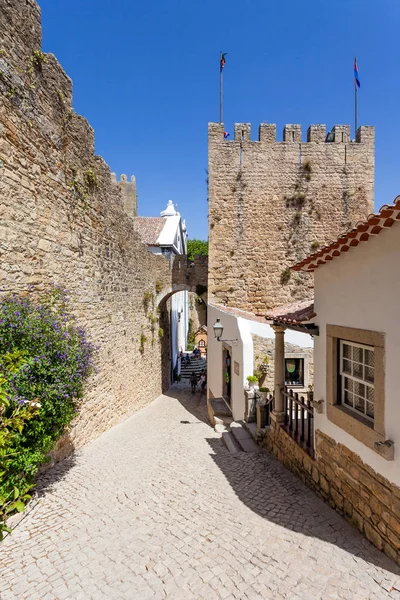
(196, 365)
(238, 437)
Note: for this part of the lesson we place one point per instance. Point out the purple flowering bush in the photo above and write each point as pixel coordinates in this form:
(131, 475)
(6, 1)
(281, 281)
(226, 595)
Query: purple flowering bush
(45, 360)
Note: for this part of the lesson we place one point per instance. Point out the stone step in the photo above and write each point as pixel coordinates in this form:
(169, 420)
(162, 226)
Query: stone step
(243, 437)
(251, 428)
(230, 442)
(218, 412)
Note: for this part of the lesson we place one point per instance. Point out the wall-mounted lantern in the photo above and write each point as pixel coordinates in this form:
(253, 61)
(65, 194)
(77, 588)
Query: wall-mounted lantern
(218, 331)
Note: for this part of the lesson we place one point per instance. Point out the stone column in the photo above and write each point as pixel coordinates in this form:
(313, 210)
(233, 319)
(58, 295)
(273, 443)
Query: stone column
(278, 414)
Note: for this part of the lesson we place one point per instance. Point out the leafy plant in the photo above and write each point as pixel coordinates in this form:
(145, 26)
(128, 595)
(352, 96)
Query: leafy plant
(90, 180)
(38, 58)
(147, 298)
(196, 248)
(315, 245)
(285, 276)
(159, 286)
(201, 289)
(160, 332)
(252, 378)
(45, 360)
(263, 389)
(143, 340)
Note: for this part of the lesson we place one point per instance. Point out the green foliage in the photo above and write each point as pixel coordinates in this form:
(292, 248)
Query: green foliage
(160, 332)
(143, 340)
(315, 245)
(90, 180)
(297, 217)
(196, 248)
(83, 185)
(201, 289)
(252, 378)
(307, 167)
(159, 286)
(147, 298)
(190, 337)
(285, 276)
(38, 58)
(44, 362)
(263, 389)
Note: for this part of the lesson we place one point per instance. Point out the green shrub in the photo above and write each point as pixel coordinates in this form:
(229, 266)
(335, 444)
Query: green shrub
(45, 360)
(263, 389)
(252, 378)
(285, 276)
(143, 340)
(196, 248)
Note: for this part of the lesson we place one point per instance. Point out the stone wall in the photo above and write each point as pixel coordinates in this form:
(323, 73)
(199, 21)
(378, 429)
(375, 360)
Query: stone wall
(263, 347)
(273, 203)
(357, 492)
(63, 221)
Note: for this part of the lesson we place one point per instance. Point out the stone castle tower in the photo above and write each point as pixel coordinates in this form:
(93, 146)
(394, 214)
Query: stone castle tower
(128, 193)
(272, 203)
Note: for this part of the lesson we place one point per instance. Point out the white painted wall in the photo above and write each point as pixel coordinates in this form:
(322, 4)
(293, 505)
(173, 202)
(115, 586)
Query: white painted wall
(362, 289)
(242, 352)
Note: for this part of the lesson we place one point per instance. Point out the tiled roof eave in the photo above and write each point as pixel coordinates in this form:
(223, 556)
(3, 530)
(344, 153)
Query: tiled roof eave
(364, 230)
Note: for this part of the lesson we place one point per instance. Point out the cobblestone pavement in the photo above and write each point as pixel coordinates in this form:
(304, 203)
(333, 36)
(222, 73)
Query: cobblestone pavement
(158, 508)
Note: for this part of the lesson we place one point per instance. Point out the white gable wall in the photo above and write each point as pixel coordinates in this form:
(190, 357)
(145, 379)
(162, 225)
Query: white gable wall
(362, 289)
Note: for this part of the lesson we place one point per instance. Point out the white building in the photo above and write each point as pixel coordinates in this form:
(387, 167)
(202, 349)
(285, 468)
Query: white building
(167, 235)
(357, 352)
(232, 359)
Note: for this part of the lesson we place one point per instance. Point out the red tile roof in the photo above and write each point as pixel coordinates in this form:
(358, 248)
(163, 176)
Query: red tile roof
(293, 314)
(363, 231)
(149, 228)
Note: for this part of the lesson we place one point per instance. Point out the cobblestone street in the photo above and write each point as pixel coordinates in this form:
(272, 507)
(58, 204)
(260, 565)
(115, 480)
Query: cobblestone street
(158, 508)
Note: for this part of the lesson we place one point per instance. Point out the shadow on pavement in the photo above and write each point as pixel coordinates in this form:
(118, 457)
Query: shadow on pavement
(195, 403)
(266, 487)
(47, 477)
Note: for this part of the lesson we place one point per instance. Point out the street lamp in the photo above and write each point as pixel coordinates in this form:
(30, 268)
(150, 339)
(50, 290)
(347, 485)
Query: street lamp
(218, 331)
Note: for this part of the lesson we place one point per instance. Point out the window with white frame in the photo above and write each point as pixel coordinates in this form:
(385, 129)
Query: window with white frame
(356, 368)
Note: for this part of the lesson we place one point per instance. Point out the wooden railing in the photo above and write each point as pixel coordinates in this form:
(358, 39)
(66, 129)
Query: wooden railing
(299, 419)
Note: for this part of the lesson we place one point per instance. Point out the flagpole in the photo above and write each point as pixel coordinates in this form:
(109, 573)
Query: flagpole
(355, 104)
(220, 87)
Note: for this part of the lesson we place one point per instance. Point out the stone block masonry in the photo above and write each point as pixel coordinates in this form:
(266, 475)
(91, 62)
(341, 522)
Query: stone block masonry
(64, 220)
(365, 498)
(272, 203)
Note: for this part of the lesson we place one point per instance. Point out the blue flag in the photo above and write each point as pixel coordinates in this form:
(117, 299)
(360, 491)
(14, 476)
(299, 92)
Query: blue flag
(357, 83)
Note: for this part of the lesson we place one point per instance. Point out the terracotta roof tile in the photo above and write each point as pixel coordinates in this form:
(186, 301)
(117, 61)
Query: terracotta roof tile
(363, 231)
(149, 228)
(295, 313)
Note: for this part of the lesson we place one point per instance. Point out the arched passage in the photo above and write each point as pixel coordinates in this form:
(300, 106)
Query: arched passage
(173, 308)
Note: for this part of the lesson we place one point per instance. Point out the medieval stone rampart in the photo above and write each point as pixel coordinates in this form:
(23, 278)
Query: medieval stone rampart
(271, 203)
(63, 220)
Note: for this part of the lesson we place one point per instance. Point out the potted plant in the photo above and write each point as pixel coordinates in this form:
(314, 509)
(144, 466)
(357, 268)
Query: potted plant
(263, 393)
(252, 380)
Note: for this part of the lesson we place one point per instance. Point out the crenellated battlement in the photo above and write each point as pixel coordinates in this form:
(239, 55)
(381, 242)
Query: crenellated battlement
(128, 192)
(339, 134)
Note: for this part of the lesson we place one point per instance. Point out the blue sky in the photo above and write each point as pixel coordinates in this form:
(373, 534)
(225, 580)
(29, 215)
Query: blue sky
(146, 76)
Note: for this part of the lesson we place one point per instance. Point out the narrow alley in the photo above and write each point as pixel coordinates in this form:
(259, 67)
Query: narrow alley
(158, 508)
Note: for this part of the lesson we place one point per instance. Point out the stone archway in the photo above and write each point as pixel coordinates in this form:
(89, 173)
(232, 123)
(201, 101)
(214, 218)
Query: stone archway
(188, 277)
